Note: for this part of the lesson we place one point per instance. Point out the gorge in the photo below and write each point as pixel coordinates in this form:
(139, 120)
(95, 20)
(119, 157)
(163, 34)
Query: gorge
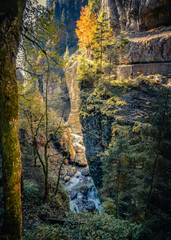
(94, 83)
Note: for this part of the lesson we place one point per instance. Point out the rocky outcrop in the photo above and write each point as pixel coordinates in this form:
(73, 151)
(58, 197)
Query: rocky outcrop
(135, 15)
(148, 53)
(134, 70)
(146, 23)
(74, 91)
(136, 104)
(74, 135)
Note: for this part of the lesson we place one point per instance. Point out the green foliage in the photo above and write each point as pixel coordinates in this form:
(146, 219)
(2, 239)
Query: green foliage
(109, 207)
(102, 41)
(85, 73)
(122, 42)
(31, 192)
(98, 64)
(42, 65)
(100, 227)
(134, 162)
(94, 5)
(44, 232)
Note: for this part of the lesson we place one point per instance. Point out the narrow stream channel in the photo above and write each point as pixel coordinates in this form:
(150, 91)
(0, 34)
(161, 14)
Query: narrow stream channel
(82, 191)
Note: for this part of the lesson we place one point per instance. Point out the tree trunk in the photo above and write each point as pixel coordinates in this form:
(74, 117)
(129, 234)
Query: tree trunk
(10, 31)
(47, 139)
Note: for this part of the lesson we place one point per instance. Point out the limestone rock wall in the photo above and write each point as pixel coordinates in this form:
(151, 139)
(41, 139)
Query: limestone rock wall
(74, 91)
(150, 47)
(73, 136)
(148, 53)
(148, 26)
(135, 15)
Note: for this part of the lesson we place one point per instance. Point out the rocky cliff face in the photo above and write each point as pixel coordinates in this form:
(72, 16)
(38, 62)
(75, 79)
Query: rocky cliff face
(135, 15)
(147, 24)
(73, 138)
(125, 105)
(148, 53)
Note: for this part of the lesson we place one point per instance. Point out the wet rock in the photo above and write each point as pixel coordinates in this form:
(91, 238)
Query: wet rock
(73, 194)
(67, 144)
(85, 172)
(83, 180)
(80, 205)
(83, 190)
(80, 196)
(77, 175)
(66, 178)
(73, 171)
(79, 149)
(90, 206)
(80, 159)
(81, 164)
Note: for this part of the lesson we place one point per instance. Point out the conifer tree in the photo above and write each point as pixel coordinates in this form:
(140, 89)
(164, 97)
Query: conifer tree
(102, 40)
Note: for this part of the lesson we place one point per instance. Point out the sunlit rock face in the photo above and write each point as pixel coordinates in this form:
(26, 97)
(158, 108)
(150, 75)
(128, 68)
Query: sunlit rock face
(135, 15)
(74, 133)
(74, 91)
(147, 24)
(148, 53)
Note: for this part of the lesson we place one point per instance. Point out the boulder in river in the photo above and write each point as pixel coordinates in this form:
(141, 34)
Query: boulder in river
(73, 171)
(85, 172)
(90, 206)
(80, 159)
(66, 178)
(83, 190)
(80, 205)
(77, 175)
(73, 194)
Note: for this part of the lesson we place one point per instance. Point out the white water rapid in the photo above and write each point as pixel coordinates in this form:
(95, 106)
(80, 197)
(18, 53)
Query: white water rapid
(82, 191)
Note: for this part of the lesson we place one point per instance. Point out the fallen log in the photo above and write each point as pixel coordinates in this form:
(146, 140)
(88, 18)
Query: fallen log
(54, 220)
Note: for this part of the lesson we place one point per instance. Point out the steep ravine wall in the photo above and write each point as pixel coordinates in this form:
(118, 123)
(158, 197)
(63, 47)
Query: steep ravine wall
(148, 26)
(148, 53)
(74, 130)
(136, 15)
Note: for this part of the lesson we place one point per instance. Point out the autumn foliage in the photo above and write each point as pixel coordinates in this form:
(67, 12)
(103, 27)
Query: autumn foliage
(86, 27)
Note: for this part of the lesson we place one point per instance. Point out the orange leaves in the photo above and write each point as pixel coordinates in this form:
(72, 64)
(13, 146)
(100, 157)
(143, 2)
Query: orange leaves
(86, 27)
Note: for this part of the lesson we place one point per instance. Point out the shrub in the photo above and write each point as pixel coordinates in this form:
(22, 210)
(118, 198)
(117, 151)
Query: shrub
(100, 227)
(45, 232)
(31, 192)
